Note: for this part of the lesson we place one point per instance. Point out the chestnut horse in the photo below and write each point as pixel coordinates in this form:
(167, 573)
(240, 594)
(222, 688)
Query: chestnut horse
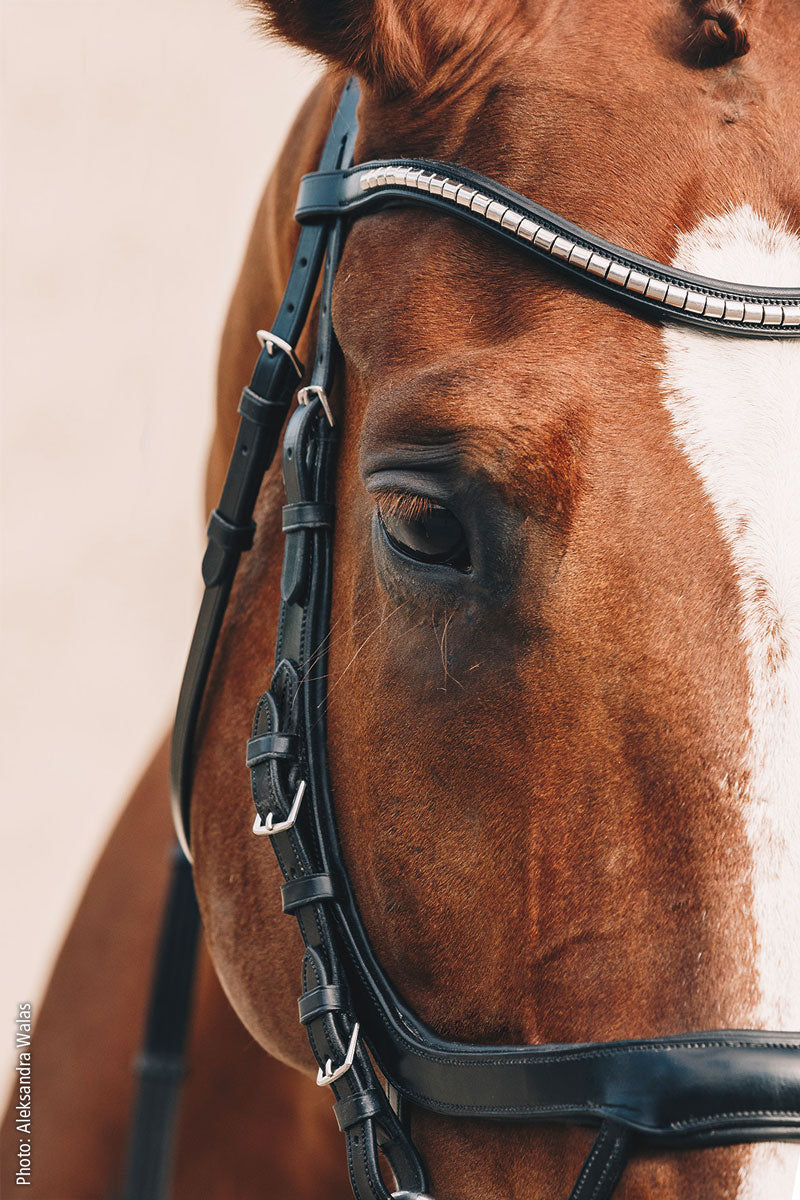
(568, 796)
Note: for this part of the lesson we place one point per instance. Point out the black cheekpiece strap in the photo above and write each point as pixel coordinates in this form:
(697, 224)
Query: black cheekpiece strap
(263, 408)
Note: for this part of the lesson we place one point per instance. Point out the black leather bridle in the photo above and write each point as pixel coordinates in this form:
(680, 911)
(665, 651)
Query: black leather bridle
(695, 1089)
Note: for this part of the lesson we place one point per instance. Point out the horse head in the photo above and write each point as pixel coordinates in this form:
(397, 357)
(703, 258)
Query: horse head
(564, 654)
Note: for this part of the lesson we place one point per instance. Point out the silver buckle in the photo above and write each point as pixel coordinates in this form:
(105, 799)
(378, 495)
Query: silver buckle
(270, 826)
(328, 1076)
(269, 339)
(314, 390)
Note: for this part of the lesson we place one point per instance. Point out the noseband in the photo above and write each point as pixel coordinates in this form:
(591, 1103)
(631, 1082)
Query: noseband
(691, 1090)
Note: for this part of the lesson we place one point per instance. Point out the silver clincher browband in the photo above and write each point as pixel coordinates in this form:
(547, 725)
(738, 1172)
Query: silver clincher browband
(665, 292)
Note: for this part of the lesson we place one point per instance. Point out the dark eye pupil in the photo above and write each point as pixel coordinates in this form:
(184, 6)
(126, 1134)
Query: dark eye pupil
(433, 535)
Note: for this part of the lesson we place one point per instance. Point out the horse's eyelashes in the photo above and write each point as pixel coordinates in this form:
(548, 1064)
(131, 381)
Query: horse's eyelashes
(405, 505)
(423, 529)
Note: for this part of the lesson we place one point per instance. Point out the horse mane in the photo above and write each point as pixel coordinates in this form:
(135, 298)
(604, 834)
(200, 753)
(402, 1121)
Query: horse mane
(720, 33)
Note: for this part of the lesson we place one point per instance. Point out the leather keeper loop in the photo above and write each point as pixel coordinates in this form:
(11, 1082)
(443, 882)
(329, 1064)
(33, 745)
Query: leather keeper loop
(271, 745)
(228, 535)
(268, 413)
(321, 1000)
(357, 1108)
(310, 890)
(306, 515)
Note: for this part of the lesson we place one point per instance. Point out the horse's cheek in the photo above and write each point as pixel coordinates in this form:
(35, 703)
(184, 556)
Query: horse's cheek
(255, 948)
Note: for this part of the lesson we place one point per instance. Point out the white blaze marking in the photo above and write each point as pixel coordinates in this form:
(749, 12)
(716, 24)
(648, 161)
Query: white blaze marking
(735, 408)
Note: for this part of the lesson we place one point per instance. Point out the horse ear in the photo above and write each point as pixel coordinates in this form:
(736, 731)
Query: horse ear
(393, 45)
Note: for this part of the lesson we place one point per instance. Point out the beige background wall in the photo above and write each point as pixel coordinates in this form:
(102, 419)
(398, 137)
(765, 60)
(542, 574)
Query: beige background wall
(136, 140)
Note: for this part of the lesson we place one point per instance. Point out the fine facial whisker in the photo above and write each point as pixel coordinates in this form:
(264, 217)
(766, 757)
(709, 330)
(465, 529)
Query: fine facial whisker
(443, 652)
(367, 639)
(317, 654)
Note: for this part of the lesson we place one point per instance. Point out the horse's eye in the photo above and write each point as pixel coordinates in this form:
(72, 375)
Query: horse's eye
(425, 530)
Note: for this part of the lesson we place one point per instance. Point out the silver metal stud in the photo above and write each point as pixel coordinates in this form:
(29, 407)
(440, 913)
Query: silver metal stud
(791, 314)
(580, 257)
(676, 296)
(544, 238)
(715, 307)
(495, 212)
(450, 190)
(617, 273)
(562, 248)
(511, 220)
(436, 184)
(527, 229)
(695, 303)
(424, 182)
(480, 203)
(598, 265)
(465, 195)
(753, 313)
(773, 314)
(637, 282)
(734, 310)
(656, 289)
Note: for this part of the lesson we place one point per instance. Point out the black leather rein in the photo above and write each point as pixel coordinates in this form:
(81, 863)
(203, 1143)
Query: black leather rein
(696, 1089)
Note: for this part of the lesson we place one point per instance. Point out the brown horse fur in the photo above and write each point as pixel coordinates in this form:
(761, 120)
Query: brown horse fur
(527, 778)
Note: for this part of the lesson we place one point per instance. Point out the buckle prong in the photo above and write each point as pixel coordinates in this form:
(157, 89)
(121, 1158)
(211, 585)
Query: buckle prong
(314, 390)
(269, 339)
(328, 1076)
(270, 826)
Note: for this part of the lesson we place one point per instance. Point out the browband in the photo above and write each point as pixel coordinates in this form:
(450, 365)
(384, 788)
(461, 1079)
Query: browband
(710, 1088)
(664, 292)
